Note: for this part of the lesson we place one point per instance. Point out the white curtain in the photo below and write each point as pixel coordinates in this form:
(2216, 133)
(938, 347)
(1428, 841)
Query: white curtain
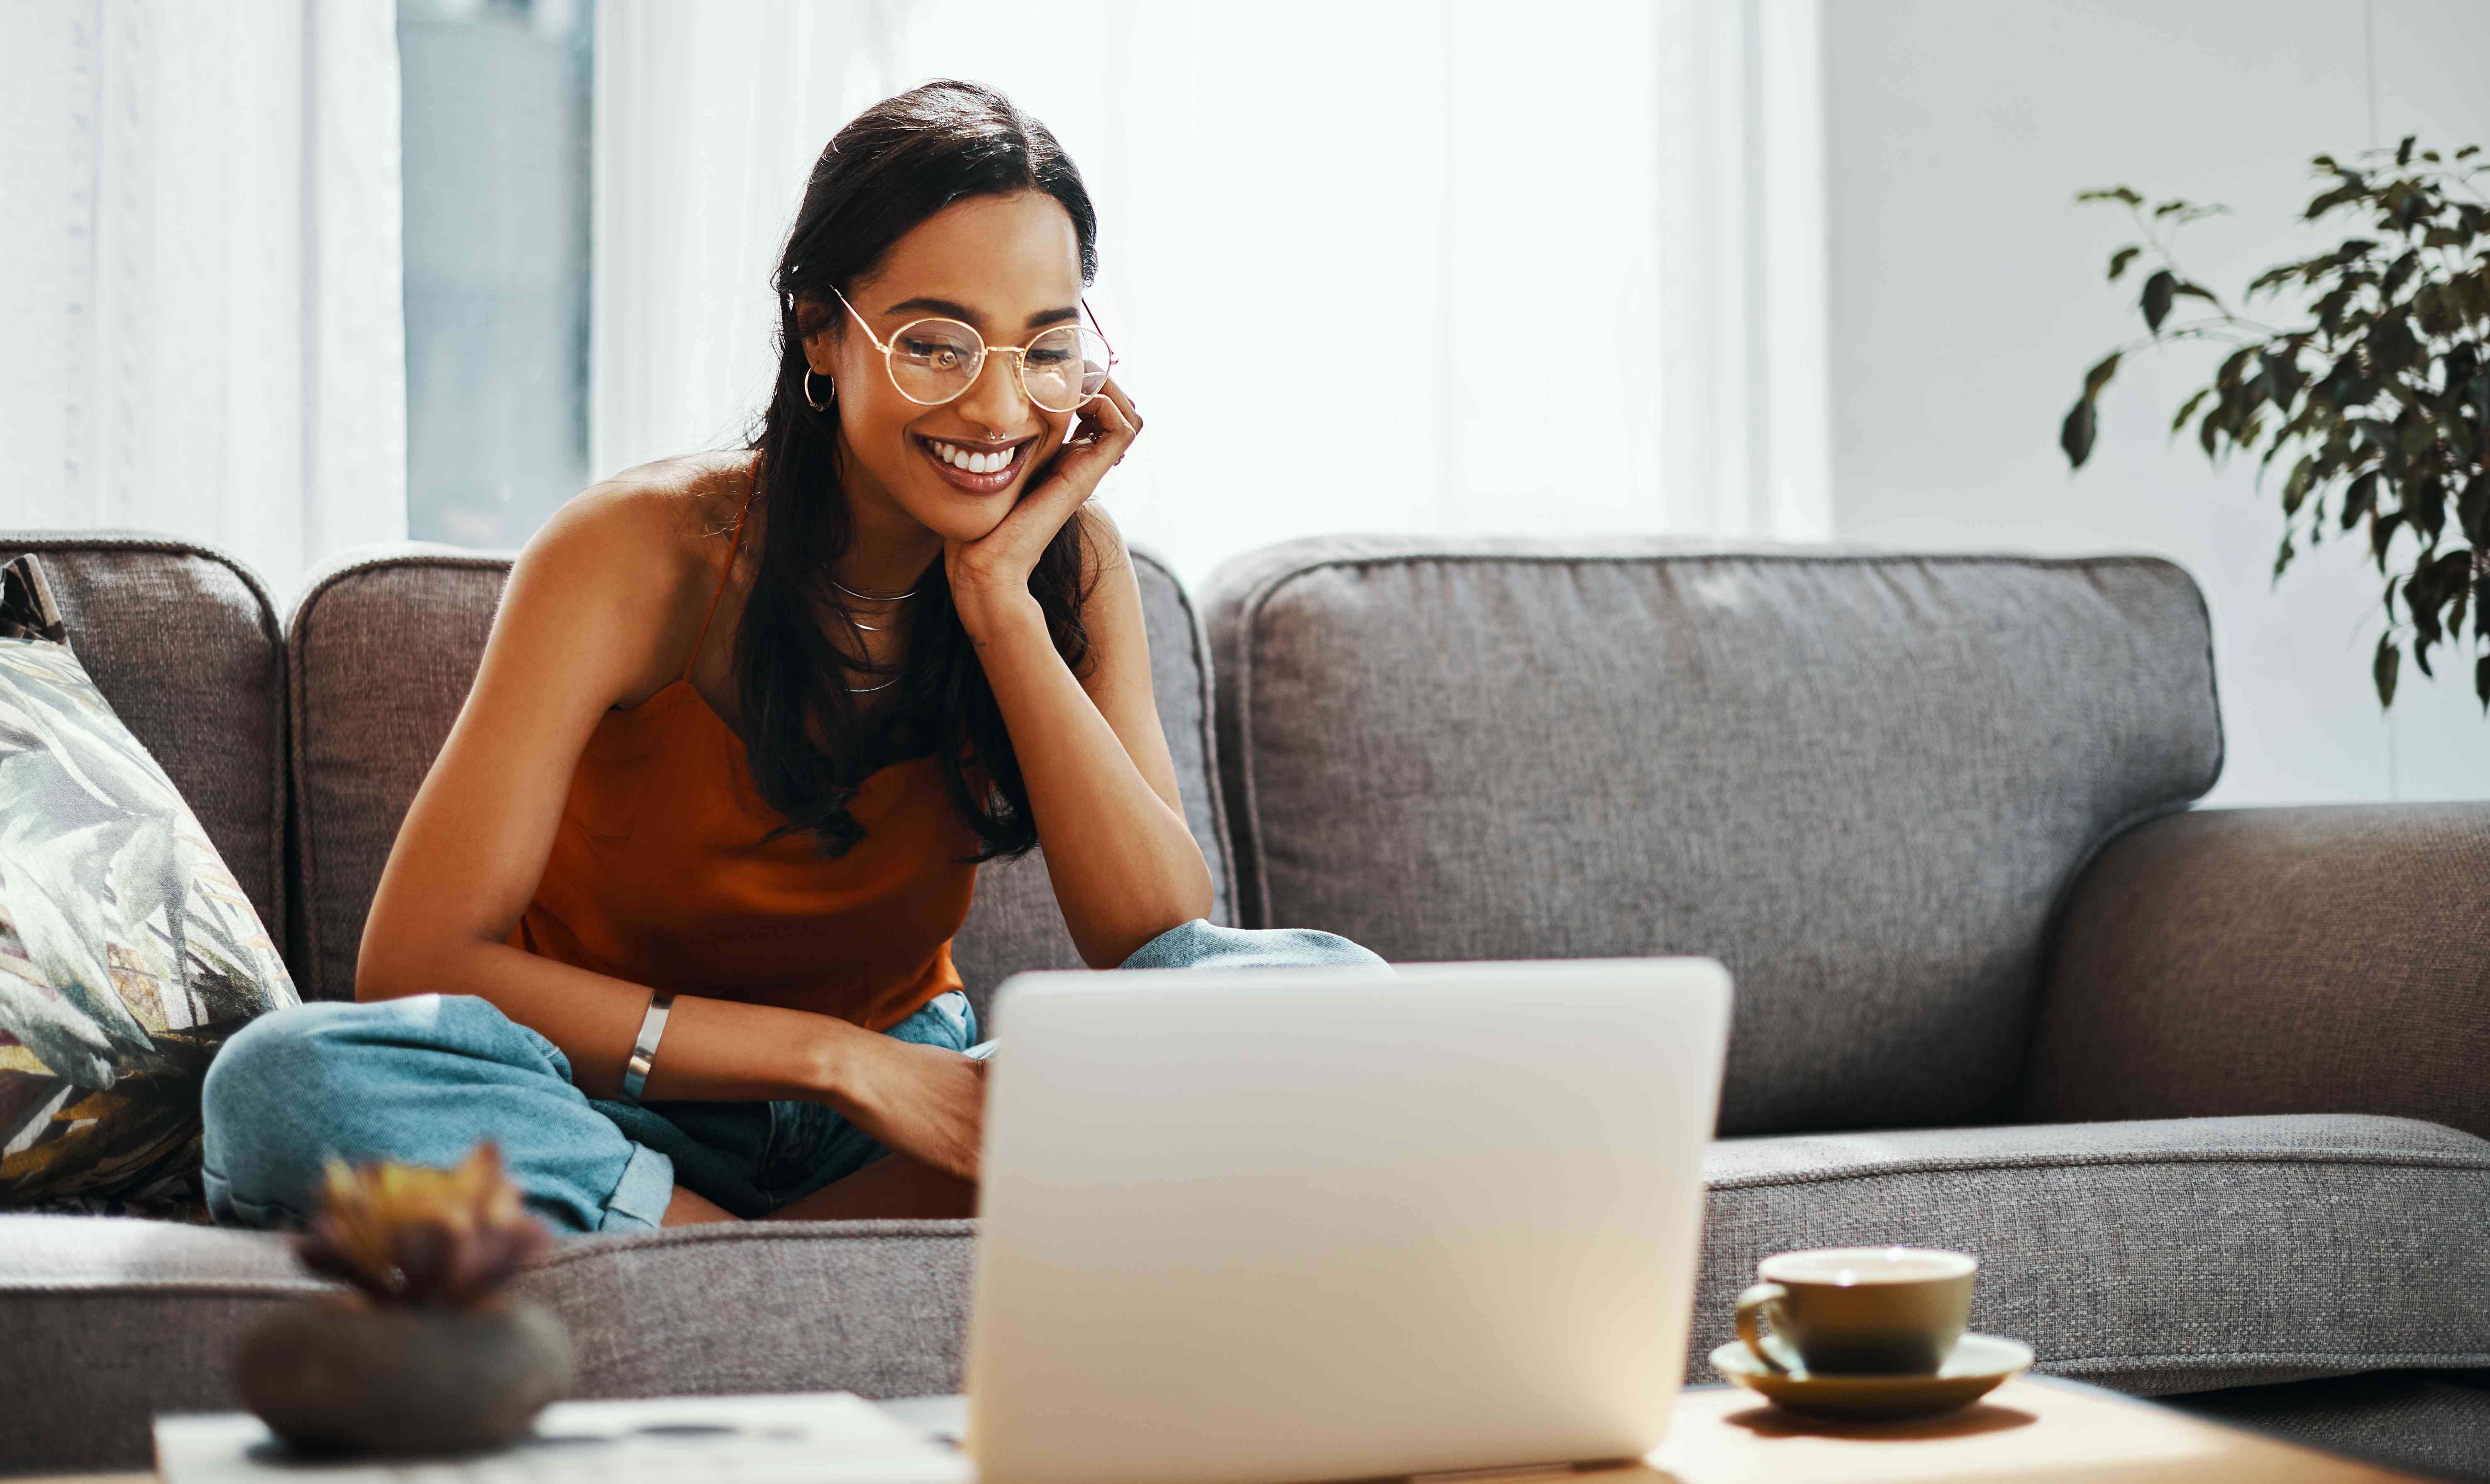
(1556, 269)
(199, 270)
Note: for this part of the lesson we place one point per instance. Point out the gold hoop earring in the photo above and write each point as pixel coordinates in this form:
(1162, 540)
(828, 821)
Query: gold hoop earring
(819, 406)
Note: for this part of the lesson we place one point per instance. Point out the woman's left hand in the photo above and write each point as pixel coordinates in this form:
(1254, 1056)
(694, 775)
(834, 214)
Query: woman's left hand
(994, 569)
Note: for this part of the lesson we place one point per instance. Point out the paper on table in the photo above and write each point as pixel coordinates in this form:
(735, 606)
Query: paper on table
(810, 1437)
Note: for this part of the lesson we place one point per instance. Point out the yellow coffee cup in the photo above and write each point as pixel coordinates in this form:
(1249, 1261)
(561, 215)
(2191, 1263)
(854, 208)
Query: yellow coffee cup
(1858, 1310)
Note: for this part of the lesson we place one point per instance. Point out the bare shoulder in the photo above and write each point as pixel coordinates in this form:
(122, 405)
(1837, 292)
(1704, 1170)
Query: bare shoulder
(680, 509)
(659, 526)
(632, 559)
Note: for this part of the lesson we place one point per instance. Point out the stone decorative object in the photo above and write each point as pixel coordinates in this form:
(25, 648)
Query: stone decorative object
(423, 1354)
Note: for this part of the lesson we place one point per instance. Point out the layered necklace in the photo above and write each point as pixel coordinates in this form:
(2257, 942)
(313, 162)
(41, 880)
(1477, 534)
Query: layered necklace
(872, 597)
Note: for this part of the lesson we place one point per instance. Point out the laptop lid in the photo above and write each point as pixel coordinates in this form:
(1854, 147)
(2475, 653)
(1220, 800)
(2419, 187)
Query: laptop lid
(1263, 1225)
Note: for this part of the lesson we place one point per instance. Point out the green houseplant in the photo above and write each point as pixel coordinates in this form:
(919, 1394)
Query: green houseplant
(2378, 385)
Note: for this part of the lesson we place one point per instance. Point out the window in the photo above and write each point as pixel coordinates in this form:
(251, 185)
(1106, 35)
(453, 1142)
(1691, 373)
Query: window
(494, 140)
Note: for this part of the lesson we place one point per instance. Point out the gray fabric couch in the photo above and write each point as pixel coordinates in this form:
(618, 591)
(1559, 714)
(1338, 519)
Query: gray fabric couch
(2201, 1088)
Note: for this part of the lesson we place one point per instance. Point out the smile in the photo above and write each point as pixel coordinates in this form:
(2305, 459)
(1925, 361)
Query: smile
(979, 472)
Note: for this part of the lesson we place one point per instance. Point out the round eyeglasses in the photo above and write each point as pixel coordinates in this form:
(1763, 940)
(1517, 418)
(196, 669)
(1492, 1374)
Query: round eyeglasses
(935, 360)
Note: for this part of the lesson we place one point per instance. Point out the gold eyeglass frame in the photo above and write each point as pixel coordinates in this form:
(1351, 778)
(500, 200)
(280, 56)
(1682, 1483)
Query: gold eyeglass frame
(1019, 353)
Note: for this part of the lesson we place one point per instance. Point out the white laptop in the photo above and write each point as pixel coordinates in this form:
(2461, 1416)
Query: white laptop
(1266, 1225)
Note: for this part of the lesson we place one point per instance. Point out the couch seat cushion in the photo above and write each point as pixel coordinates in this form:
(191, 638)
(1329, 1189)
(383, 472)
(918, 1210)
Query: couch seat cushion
(2163, 1256)
(110, 1319)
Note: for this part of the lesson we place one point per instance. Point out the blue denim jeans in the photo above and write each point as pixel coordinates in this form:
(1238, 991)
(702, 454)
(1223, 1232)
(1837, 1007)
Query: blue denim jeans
(423, 1078)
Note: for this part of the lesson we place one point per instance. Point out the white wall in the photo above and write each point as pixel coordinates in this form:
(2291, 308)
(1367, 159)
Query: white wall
(1967, 299)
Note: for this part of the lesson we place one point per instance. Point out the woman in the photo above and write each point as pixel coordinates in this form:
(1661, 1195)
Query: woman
(670, 918)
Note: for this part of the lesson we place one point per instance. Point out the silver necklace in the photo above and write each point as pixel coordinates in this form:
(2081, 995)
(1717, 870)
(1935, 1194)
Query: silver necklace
(872, 597)
(868, 597)
(876, 628)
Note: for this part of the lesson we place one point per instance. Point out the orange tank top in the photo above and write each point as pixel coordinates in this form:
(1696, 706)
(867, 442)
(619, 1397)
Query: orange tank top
(658, 876)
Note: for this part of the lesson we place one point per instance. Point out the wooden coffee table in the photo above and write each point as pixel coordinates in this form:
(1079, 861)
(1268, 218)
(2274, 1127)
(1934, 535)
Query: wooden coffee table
(2037, 1428)
(2030, 1428)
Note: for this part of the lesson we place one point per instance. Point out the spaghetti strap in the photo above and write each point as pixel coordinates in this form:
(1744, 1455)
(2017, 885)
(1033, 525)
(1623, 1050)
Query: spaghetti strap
(723, 579)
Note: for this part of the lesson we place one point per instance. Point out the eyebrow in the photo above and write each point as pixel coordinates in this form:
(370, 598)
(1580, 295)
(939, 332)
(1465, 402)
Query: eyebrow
(973, 318)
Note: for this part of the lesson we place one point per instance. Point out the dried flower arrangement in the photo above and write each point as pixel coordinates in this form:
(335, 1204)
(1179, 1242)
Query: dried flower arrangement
(403, 1234)
(423, 1353)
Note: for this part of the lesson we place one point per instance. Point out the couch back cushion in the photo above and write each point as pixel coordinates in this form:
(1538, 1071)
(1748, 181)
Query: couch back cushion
(183, 643)
(382, 649)
(1859, 781)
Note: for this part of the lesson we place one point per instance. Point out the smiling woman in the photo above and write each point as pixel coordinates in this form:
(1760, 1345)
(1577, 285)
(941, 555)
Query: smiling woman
(668, 919)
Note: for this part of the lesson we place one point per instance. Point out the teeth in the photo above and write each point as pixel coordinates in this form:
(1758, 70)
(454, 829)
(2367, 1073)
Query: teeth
(975, 463)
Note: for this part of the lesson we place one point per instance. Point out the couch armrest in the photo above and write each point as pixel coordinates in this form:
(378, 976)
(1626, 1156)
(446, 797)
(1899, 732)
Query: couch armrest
(2331, 959)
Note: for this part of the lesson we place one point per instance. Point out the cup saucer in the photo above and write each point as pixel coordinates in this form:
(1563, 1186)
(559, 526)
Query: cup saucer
(1978, 1364)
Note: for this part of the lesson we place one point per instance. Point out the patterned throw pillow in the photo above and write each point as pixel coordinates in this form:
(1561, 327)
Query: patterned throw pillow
(128, 950)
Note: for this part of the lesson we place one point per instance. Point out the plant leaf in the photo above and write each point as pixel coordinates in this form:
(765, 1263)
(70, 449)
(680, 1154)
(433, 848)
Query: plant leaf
(2118, 260)
(2473, 510)
(2384, 668)
(2075, 434)
(2272, 277)
(2426, 593)
(2098, 375)
(2401, 270)
(2330, 309)
(2158, 291)
(2352, 189)
(2294, 490)
(2382, 532)
(2391, 344)
(2187, 408)
(2359, 499)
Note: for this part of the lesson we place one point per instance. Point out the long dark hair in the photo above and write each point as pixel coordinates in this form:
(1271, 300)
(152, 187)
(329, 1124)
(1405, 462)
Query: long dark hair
(892, 166)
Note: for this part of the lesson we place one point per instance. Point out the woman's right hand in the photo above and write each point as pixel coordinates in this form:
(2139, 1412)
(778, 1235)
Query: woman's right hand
(925, 1101)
